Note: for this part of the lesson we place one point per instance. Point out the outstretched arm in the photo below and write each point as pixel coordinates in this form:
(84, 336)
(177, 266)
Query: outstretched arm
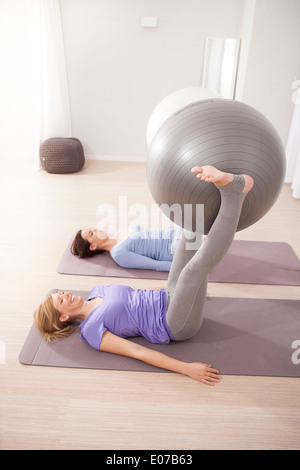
(201, 372)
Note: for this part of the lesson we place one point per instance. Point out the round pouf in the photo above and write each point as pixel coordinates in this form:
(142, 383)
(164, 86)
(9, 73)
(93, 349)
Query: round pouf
(227, 134)
(62, 155)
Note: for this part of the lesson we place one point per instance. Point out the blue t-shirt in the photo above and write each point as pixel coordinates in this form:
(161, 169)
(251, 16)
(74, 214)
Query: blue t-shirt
(127, 312)
(145, 249)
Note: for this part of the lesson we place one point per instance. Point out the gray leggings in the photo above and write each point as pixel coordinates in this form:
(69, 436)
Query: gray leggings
(187, 282)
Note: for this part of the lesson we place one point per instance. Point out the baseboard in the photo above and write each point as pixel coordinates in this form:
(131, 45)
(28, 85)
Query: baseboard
(110, 158)
(117, 158)
(25, 155)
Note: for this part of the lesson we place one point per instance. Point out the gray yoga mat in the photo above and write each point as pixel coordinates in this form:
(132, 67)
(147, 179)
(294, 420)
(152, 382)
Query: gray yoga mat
(247, 262)
(238, 336)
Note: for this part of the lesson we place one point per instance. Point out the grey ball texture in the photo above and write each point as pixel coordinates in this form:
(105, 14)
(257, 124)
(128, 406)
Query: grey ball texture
(227, 134)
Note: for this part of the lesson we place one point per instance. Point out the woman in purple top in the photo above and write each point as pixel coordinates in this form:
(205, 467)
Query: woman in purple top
(113, 313)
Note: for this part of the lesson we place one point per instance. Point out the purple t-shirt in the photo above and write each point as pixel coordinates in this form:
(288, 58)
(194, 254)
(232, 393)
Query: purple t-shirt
(127, 312)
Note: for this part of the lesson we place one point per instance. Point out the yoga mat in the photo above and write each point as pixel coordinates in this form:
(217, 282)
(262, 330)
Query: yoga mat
(238, 336)
(247, 262)
(253, 262)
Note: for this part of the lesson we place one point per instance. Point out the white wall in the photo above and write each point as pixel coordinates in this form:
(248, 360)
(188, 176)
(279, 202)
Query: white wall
(274, 61)
(118, 71)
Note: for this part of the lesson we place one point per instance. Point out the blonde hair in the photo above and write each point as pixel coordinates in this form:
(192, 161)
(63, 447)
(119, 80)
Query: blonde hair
(46, 318)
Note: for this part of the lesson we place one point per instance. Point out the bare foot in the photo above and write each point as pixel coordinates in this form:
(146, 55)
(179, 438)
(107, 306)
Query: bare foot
(219, 178)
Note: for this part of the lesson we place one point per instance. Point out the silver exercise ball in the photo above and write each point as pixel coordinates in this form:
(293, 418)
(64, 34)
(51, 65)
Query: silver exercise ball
(228, 134)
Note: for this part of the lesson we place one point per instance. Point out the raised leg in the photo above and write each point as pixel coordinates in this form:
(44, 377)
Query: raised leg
(186, 302)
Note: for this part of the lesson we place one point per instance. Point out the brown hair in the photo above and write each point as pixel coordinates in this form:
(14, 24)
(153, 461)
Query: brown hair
(46, 318)
(81, 247)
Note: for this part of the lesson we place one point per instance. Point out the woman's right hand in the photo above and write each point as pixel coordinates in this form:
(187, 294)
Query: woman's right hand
(195, 370)
(203, 373)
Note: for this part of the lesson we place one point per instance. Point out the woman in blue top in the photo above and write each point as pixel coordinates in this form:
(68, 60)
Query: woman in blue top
(113, 313)
(142, 248)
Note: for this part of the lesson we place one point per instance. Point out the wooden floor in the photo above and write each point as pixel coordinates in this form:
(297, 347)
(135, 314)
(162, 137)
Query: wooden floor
(56, 408)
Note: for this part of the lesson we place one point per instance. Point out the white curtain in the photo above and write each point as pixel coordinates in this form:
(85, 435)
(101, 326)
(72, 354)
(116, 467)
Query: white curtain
(293, 153)
(50, 85)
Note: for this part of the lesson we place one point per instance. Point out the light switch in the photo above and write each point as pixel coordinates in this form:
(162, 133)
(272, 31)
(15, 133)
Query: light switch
(149, 21)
